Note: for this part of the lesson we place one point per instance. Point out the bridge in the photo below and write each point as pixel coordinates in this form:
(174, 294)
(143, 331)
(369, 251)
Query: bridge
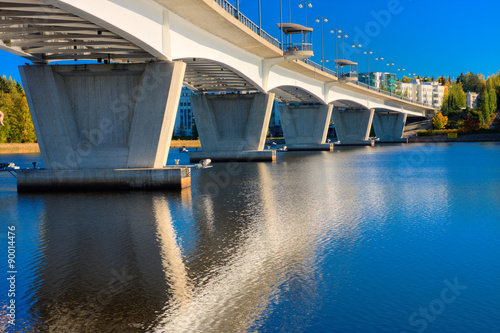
(113, 120)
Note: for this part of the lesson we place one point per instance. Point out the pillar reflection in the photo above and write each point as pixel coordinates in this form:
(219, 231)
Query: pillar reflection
(111, 262)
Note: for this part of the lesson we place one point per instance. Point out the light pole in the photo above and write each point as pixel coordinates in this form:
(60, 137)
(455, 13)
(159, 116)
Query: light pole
(318, 20)
(379, 60)
(401, 70)
(389, 80)
(281, 23)
(357, 46)
(336, 31)
(368, 52)
(343, 37)
(304, 4)
(289, 12)
(260, 21)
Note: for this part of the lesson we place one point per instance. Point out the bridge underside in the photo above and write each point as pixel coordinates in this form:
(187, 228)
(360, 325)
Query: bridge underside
(43, 33)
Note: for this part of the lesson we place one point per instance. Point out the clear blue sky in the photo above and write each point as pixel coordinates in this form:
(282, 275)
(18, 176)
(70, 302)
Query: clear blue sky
(428, 37)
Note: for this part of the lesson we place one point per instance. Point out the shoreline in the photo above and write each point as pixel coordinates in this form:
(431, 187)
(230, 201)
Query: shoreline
(19, 148)
(32, 148)
(493, 137)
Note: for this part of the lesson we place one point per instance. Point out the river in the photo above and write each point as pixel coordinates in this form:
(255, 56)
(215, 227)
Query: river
(392, 238)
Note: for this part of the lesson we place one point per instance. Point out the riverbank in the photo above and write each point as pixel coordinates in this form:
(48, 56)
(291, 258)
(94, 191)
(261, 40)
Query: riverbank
(32, 148)
(493, 137)
(185, 143)
(19, 148)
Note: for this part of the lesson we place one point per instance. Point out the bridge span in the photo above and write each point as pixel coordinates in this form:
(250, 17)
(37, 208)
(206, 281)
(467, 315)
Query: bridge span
(94, 119)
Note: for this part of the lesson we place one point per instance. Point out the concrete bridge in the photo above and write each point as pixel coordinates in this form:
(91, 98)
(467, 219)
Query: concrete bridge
(112, 122)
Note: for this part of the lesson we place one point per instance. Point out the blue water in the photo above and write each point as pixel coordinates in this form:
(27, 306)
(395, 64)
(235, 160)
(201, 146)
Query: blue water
(397, 238)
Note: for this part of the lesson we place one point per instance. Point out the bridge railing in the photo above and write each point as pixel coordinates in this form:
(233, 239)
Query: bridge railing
(247, 22)
(227, 6)
(318, 66)
(298, 47)
(361, 84)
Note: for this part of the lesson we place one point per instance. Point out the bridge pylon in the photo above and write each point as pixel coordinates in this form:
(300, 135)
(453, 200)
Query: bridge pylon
(389, 126)
(233, 127)
(104, 126)
(306, 126)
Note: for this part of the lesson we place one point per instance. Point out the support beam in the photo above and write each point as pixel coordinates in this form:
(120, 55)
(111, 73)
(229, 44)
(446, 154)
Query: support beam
(93, 117)
(389, 126)
(233, 127)
(353, 126)
(306, 126)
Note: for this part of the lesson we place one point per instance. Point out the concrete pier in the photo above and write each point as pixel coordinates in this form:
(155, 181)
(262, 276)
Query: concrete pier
(102, 117)
(233, 127)
(353, 126)
(389, 126)
(305, 126)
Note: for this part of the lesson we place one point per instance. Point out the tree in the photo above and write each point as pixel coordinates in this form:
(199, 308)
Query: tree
(439, 121)
(493, 100)
(406, 79)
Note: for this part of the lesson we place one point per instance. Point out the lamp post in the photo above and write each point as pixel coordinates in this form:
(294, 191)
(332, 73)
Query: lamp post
(390, 70)
(343, 37)
(321, 19)
(304, 4)
(401, 70)
(379, 60)
(357, 46)
(281, 23)
(368, 52)
(260, 21)
(336, 31)
(289, 12)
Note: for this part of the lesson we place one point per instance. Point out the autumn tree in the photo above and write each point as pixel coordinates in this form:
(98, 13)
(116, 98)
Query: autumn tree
(439, 121)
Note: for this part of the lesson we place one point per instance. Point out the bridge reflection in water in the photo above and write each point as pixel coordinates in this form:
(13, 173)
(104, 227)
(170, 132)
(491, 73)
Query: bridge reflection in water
(176, 262)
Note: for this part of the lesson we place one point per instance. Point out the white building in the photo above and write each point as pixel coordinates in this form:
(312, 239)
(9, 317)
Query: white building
(472, 100)
(379, 79)
(423, 92)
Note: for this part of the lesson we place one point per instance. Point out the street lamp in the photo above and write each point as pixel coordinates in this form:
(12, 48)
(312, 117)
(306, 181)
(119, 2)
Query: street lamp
(401, 70)
(304, 4)
(336, 32)
(343, 37)
(389, 80)
(318, 20)
(368, 52)
(379, 60)
(357, 46)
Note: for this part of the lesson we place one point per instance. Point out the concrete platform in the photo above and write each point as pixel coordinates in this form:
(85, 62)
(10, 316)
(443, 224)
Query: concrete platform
(240, 156)
(360, 143)
(103, 179)
(310, 147)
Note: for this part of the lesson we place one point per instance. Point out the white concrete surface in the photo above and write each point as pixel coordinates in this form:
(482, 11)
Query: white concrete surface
(305, 124)
(353, 126)
(104, 116)
(389, 126)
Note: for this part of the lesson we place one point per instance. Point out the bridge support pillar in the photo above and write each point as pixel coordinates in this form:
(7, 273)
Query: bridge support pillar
(233, 127)
(116, 118)
(389, 126)
(353, 126)
(306, 126)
